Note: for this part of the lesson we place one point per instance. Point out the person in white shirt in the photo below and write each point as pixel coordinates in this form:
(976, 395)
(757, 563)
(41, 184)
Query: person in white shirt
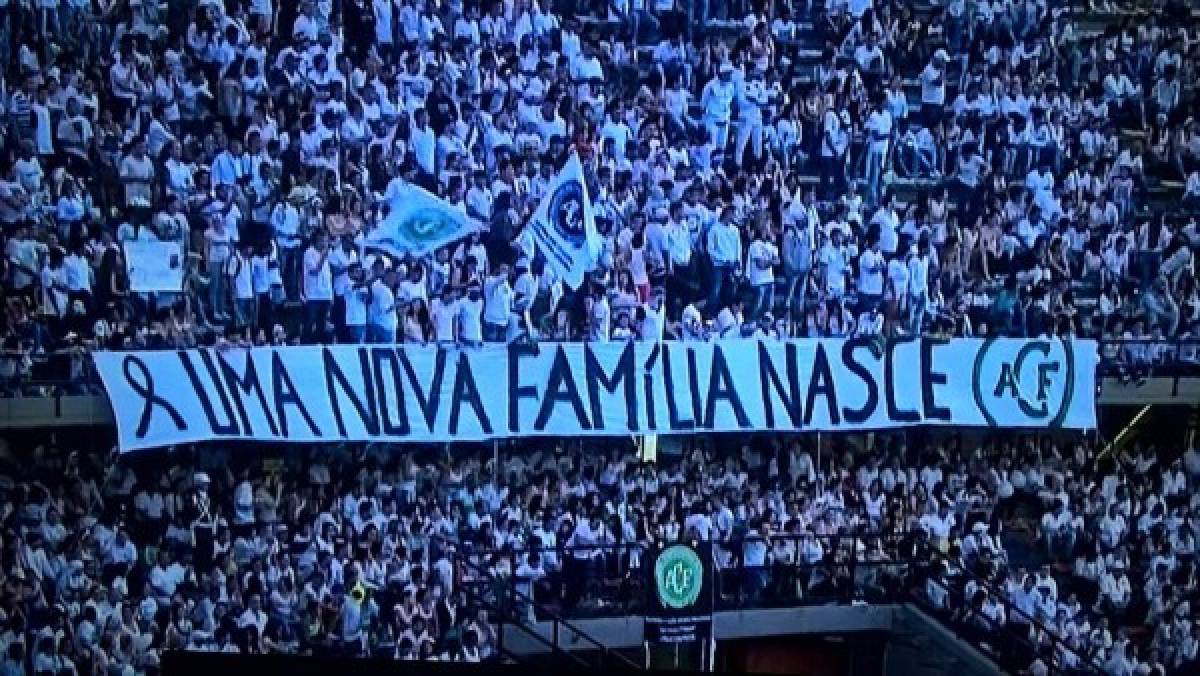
(834, 263)
(835, 140)
(933, 89)
(219, 248)
(444, 312)
(879, 133)
(498, 305)
(381, 306)
(354, 297)
(752, 97)
(318, 290)
(871, 268)
(652, 318)
(137, 173)
(1058, 531)
(1115, 590)
(599, 317)
(717, 101)
(423, 141)
(761, 259)
(470, 316)
(725, 250)
(1123, 95)
(918, 285)
(240, 272)
(939, 525)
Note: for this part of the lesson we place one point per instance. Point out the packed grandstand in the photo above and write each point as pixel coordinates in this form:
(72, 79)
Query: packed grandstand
(723, 178)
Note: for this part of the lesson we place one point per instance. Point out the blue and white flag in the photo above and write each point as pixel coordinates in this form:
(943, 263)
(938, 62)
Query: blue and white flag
(418, 222)
(564, 226)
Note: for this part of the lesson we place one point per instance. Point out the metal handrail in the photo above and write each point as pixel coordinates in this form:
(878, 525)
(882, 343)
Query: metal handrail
(508, 588)
(1012, 610)
(833, 547)
(1086, 661)
(500, 612)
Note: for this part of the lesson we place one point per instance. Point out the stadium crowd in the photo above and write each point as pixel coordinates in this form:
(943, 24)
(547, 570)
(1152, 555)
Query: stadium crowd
(361, 550)
(757, 169)
(765, 169)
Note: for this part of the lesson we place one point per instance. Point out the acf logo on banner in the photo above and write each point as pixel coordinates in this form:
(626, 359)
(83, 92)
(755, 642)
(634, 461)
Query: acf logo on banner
(1029, 383)
(678, 577)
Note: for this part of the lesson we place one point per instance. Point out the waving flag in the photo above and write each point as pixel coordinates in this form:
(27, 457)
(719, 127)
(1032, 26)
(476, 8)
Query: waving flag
(564, 226)
(418, 222)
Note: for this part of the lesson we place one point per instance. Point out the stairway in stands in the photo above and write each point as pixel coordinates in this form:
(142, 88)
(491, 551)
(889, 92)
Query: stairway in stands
(553, 641)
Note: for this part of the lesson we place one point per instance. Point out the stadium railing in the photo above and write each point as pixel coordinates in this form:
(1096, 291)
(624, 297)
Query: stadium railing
(515, 611)
(1147, 358)
(609, 580)
(1013, 644)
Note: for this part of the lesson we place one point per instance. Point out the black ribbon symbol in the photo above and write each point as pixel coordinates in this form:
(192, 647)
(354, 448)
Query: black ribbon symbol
(145, 387)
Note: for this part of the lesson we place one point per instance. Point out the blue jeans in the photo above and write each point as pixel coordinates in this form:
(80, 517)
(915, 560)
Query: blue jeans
(720, 287)
(797, 283)
(316, 312)
(289, 269)
(764, 300)
(217, 285)
(718, 132)
(916, 312)
(244, 312)
(873, 172)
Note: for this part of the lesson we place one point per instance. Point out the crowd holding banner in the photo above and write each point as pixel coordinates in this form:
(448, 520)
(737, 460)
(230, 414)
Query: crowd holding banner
(426, 393)
(911, 213)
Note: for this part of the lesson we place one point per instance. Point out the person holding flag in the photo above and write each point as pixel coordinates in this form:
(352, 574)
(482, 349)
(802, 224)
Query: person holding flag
(418, 222)
(564, 226)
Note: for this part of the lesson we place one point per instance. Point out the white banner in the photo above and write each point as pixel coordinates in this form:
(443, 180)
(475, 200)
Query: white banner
(422, 393)
(154, 266)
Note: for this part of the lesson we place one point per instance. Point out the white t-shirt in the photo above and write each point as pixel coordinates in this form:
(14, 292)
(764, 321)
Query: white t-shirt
(601, 319)
(918, 275)
(242, 273)
(442, 314)
(870, 272)
(933, 86)
(43, 135)
(339, 258)
(834, 260)
(470, 319)
(499, 302)
(938, 526)
(356, 305)
(382, 311)
(653, 323)
(764, 252)
(318, 279)
(898, 276)
(879, 126)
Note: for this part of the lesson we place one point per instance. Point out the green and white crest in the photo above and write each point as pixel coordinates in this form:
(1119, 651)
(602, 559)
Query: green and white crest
(678, 576)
